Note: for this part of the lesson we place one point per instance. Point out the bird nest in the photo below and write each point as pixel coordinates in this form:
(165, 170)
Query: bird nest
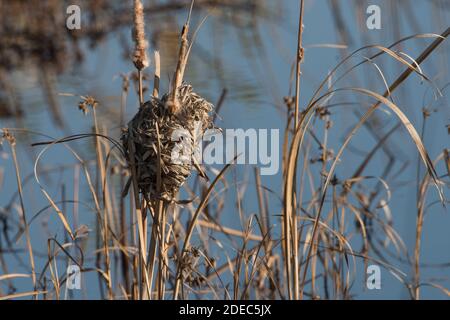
(154, 128)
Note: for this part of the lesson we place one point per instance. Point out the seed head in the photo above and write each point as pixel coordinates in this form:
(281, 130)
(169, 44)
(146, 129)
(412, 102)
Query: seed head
(140, 58)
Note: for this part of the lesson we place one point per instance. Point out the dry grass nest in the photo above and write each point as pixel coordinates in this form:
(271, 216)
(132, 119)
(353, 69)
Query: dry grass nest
(141, 140)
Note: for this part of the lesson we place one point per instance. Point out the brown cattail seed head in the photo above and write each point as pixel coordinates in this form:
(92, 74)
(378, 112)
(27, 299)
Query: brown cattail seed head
(140, 58)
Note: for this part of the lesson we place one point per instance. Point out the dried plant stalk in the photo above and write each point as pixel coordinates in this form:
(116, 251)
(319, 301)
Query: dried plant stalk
(157, 75)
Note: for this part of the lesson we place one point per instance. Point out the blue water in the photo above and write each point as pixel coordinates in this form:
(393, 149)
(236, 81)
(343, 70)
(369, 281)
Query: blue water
(255, 67)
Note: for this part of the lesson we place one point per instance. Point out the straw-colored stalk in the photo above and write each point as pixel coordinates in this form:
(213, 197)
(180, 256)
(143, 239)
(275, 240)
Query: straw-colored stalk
(140, 58)
(12, 142)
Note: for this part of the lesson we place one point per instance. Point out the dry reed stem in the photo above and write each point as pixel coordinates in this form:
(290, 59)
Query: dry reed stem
(157, 214)
(122, 210)
(139, 213)
(13, 296)
(290, 221)
(12, 143)
(186, 243)
(140, 61)
(423, 189)
(157, 75)
(299, 60)
(229, 231)
(172, 103)
(106, 198)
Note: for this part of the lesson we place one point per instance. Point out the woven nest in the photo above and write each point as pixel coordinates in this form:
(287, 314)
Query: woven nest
(154, 116)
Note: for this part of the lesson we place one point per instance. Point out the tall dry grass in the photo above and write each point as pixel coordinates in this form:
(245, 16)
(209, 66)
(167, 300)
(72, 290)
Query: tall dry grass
(145, 248)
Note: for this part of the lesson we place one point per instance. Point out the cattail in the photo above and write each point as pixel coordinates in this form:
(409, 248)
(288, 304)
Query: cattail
(150, 139)
(140, 58)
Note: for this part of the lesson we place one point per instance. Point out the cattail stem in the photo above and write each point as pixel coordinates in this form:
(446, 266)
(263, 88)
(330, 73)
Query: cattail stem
(12, 143)
(293, 217)
(157, 75)
(299, 59)
(183, 54)
(141, 94)
(179, 71)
